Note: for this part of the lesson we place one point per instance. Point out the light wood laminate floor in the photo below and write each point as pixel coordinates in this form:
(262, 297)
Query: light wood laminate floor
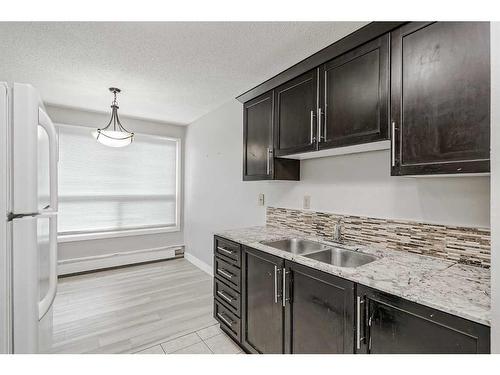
(161, 307)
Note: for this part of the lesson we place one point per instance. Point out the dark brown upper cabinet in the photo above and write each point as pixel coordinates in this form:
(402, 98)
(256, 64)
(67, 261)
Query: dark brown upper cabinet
(354, 96)
(440, 98)
(258, 154)
(295, 115)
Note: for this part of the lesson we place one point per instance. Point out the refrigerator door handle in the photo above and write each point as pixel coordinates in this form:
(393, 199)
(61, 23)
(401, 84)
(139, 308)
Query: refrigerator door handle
(46, 302)
(45, 122)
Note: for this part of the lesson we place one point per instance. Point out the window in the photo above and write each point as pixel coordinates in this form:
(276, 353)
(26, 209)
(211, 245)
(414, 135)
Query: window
(106, 189)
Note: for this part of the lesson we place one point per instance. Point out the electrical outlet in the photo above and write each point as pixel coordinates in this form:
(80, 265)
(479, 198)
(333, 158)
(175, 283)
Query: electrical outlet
(307, 202)
(260, 201)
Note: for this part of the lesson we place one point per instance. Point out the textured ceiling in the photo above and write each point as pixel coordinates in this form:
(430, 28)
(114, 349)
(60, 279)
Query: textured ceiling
(168, 71)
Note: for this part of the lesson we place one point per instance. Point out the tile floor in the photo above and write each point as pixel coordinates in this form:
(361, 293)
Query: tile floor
(210, 340)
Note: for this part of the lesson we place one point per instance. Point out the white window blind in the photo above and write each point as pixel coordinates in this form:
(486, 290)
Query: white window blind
(105, 189)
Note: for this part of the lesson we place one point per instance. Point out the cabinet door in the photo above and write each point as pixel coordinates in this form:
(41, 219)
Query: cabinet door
(258, 138)
(393, 325)
(440, 98)
(262, 306)
(319, 312)
(295, 108)
(355, 96)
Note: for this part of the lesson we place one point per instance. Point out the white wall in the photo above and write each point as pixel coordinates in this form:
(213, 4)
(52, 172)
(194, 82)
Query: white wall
(92, 248)
(216, 198)
(495, 187)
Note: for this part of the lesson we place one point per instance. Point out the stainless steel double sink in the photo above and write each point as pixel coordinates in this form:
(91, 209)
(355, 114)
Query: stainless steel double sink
(331, 254)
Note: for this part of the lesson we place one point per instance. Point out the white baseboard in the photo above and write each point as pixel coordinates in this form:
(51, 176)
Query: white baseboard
(199, 263)
(91, 263)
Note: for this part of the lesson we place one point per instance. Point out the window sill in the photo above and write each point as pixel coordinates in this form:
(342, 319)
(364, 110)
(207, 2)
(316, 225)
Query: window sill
(115, 234)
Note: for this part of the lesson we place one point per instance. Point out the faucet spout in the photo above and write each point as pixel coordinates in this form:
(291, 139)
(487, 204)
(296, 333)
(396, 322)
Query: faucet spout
(337, 231)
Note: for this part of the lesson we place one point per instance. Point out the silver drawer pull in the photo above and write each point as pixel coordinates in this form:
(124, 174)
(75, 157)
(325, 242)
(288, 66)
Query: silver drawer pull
(225, 273)
(225, 320)
(225, 250)
(225, 296)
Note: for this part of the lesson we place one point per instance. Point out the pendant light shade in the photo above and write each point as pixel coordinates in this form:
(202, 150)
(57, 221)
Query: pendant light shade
(114, 134)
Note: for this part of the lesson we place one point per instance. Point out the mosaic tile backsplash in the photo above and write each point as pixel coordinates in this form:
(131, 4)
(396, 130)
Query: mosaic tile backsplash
(461, 244)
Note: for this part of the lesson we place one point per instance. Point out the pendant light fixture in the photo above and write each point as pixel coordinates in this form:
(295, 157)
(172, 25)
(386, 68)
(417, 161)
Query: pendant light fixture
(114, 134)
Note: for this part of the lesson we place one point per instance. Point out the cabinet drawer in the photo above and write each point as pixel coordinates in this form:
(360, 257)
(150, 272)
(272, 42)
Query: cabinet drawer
(227, 296)
(228, 250)
(227, 272)
(229, 322)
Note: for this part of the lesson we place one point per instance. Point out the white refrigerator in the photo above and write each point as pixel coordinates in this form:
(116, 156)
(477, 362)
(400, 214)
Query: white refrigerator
(28, 226)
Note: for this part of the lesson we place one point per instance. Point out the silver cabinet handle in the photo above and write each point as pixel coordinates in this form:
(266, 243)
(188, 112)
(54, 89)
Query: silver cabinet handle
(393, 143)
(225, 273)
(269, 154)
(359, 302)
(312, 127)
(325, 127)
(283, 286)
(225, 250)
(225, 320)
(225, 296)
(275, 283)
(283, 292)
(319, 125)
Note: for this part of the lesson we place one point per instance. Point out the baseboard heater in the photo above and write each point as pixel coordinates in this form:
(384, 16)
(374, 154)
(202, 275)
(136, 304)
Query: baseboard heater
(97, 262)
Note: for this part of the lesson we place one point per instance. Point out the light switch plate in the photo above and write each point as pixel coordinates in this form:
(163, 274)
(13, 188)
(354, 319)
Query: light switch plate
(307, 202)
(260, 201)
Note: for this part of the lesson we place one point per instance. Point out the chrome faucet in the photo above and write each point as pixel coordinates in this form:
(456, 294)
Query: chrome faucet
(337, 231)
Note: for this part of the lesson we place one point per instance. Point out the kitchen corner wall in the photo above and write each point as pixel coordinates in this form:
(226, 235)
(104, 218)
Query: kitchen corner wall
(216, 198)
(69, 251)
(495, 187)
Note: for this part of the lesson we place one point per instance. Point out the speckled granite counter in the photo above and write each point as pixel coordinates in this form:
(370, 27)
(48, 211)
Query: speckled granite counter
(441, 284)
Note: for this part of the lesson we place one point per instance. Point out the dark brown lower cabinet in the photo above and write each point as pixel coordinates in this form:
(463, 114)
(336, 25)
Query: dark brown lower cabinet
(279, 306)
(227, 286)
(319, 312)
(391, 325)
(262, 330)
(290, 308)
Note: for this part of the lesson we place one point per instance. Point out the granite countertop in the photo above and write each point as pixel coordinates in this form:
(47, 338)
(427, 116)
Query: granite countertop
(445, 285)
